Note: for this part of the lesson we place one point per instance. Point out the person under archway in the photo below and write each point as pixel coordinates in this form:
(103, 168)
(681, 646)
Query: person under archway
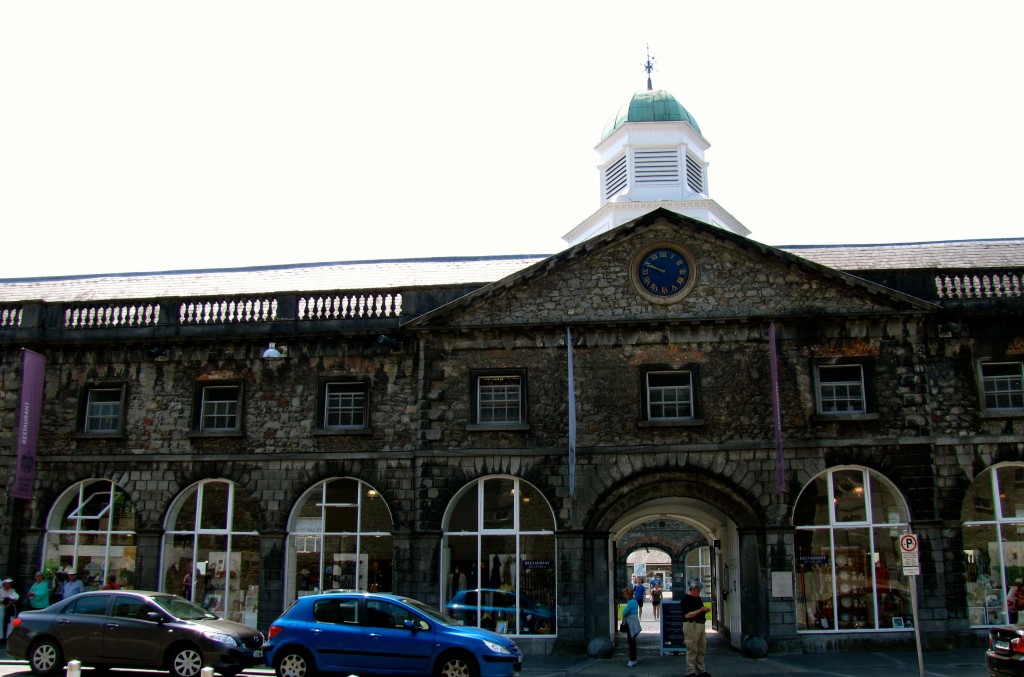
(694, 632)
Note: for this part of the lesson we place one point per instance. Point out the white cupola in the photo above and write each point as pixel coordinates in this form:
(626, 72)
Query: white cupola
(651, 156)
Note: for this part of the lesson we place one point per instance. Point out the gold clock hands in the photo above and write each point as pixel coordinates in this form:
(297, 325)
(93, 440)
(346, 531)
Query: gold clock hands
(655, 268)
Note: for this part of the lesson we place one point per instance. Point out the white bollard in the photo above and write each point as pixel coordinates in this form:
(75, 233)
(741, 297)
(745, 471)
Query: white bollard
(206, 672)
(74, 668)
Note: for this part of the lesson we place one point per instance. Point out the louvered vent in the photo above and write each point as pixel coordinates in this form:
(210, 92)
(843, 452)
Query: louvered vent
(656, 166)
(615, 177)
(694, 175)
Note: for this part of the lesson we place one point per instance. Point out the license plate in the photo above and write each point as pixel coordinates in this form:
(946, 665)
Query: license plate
(258, 653)
(1000, 644)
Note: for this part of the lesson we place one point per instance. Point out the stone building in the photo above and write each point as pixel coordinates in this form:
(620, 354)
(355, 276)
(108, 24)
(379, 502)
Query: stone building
(489, 434)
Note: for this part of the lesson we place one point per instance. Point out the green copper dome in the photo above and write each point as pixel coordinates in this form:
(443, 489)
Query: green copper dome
(650, 105)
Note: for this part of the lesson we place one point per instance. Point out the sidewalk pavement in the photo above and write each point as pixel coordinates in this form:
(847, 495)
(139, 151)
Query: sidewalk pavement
(724, 661)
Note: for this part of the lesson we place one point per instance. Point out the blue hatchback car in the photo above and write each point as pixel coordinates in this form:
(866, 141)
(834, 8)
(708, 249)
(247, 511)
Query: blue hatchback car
(370, 633)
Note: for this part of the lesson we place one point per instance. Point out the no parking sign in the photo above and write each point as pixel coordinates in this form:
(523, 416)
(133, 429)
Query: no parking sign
(908, 548)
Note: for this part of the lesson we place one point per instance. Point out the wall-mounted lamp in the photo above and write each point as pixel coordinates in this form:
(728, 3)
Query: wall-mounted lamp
(372, 493)
(394, 344)
(273, 353)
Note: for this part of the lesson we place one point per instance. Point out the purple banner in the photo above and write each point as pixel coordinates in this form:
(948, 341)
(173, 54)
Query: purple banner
(33, 370)
(572, 415)
(780, 470)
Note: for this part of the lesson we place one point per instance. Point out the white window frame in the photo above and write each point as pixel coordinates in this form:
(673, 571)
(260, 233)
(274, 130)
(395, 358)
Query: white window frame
(495, 397)
(657, 396)
(1002, 392)
(348, 402)
(111, 411)
(835, 391)
(212, 410)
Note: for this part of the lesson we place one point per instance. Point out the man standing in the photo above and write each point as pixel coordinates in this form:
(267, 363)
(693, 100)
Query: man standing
(9, 599)
(694, 612)
(73, 586)
(639, 591)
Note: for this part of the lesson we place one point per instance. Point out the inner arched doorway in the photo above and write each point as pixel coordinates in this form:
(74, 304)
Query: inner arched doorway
(701, 541)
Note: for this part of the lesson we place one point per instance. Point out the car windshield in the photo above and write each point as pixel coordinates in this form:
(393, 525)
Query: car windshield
(429, 612)
(182, 608)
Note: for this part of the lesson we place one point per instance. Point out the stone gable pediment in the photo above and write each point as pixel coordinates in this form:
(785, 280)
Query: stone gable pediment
(733, 277)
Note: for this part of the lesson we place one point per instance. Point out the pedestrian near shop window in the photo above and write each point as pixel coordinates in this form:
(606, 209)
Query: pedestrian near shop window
(9, 599)
(111, 583)
(694, 613)
(73, 586)
(39, 594)
(656, 593)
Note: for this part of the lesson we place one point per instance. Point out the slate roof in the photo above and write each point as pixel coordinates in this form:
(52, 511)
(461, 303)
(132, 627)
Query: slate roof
(999, 254)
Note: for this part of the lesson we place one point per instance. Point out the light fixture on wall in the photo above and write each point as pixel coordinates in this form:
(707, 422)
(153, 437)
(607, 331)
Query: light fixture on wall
(273, 353)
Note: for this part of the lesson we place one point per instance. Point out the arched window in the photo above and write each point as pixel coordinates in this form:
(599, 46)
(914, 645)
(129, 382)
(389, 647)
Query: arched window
(339, 537)
(498, 558)
(211, 550)
(698, 567)
(993, 518)
(91, 529)
(848, 521)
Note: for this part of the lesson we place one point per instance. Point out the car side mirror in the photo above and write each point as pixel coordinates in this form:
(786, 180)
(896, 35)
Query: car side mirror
(156, 617)
(410, 624)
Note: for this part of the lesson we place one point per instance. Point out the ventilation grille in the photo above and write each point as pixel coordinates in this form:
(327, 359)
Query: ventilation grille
(657, 166)
(694, 175)
(615, 177)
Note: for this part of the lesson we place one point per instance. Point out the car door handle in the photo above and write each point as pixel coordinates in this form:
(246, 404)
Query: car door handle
(316, 631)
(111, 626)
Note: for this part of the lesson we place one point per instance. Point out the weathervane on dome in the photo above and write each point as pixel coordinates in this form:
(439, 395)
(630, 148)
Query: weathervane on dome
(649, 66)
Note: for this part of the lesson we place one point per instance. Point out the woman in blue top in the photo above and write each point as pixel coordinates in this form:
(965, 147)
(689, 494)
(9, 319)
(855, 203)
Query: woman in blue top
(631, 617)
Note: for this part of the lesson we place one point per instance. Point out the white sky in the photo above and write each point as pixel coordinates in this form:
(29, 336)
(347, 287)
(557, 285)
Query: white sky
(142, 135)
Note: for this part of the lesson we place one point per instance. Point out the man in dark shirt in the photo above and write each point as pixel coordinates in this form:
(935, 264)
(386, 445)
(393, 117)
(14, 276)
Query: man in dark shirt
(694, 613)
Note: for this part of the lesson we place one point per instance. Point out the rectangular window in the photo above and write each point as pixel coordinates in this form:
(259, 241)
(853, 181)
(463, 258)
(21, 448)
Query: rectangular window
(220, 408)
(101, 409)
(669, 395)
(1003, 385)
(344, 405)
(499, 399)
(841, 389)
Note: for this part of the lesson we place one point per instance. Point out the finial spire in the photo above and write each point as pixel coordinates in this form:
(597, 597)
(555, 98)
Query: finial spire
(649, 66)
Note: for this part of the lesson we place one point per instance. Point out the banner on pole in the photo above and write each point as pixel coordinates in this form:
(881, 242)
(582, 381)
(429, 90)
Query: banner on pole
(780, 470)
(33, 372)
(572, 414)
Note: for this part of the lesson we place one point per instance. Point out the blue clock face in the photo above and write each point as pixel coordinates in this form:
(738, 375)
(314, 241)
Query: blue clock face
(663, 272)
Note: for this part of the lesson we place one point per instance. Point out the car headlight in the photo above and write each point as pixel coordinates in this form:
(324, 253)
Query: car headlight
(222, 638)
(497, 648)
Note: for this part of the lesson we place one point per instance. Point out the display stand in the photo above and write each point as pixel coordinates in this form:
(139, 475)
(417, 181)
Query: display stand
(672, 627)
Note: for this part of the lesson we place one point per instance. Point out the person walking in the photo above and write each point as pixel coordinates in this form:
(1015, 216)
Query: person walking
(111, 583)
(9, 599)
(656, 593)
(694, 632)
(631, 623)
(39, 594)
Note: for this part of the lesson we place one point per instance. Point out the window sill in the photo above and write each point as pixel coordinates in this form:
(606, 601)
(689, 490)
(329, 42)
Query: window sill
(498, 427)
(342, 432)
(1002, 413)
(200, 434)
(842, 418)
(97, 436)
(672, 423)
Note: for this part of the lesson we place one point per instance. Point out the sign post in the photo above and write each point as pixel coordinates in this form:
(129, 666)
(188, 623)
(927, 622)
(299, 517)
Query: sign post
(912, 568)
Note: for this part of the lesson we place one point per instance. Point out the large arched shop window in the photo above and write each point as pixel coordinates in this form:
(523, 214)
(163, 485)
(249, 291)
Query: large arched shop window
(211, 551)
(498, 558)
(848, 521)
(993, 518)
(339, 537)
(91, 529)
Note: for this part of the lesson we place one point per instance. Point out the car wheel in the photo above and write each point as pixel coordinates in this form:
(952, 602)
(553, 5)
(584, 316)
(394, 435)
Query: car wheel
(186, 661)
(457, 665)
(294, 663)
(46, 657)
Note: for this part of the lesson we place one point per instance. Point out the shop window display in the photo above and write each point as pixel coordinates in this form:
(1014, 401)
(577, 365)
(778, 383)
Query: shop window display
(211, 550)
(339, 539)
(993, 536)
(91, 530)
(848, 522)
(498, 561)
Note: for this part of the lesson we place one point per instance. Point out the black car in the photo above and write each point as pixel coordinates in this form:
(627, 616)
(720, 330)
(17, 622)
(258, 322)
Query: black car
(133, 629)
(1005, 655)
